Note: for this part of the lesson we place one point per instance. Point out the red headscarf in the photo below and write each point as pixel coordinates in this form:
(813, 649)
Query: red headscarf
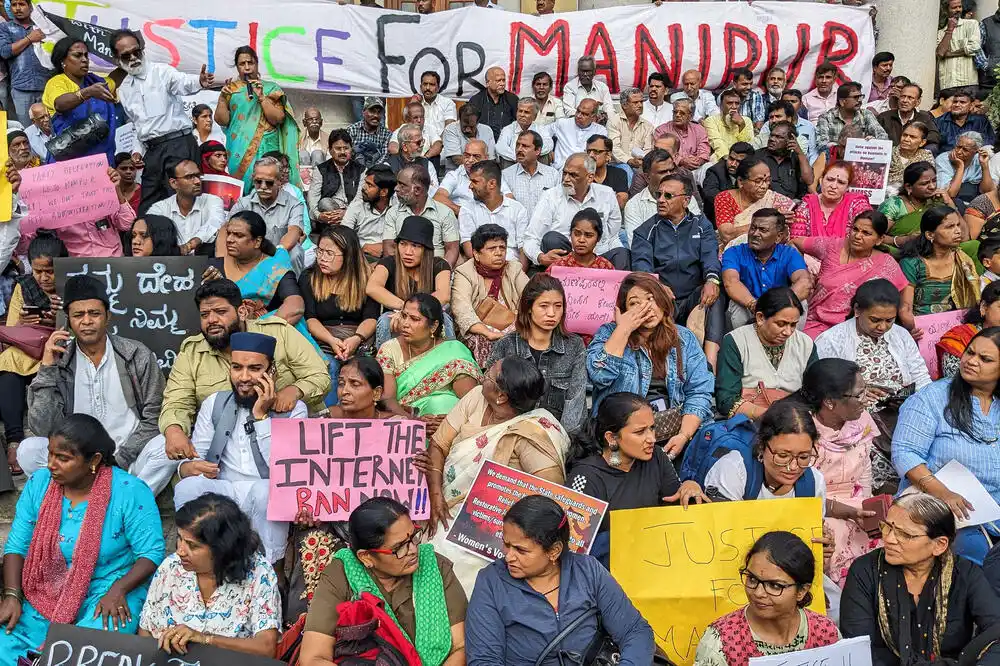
(207, 149)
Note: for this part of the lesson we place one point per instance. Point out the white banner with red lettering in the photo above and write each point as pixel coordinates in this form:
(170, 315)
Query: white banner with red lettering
(320, 45)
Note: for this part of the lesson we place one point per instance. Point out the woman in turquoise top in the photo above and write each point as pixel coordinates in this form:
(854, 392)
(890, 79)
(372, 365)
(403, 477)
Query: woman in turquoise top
(85, 541)
(257, 119)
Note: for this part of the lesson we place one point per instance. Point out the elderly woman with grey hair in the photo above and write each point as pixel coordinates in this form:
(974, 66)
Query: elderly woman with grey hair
(630, 133)
(914, 597)
(964, 171)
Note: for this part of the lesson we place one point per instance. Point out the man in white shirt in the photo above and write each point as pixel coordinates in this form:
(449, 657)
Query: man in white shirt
(39, 131)
(571, 134)
(490, 206)
(585, 86)
(704, 101)
(85, 370)
(550, 108)
(439, 111)
(528, 178)
(232, 437)
(197, 216)
(313, 142)
(547, 237)
(152, 96)
(366, 214)
(454, 191)
(414, 114)
(656, 111)
(527, 114)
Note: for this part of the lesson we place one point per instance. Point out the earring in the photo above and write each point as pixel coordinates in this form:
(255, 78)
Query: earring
(93, 469)
(615, 458)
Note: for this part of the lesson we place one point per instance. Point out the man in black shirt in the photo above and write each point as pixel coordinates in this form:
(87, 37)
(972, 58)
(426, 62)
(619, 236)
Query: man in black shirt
(791, 173)
(599, 147)
(497, 107)
(721, 176)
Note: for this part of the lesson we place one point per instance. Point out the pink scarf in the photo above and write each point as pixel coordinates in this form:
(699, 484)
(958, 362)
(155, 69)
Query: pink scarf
(835, 226)
(55, 591)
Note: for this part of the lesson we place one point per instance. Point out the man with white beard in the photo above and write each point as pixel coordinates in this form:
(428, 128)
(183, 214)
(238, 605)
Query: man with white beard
(151, 95)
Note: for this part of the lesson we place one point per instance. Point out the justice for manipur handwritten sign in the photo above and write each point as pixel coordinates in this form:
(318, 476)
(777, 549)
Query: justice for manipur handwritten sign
(681, 567)
(67, 193)
(151, 298)
(69, 645)
(330, 466)
(590, 296)
(478, 525)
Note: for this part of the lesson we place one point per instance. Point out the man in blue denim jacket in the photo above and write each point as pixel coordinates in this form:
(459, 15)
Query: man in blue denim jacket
(27, 76)
(683, 251)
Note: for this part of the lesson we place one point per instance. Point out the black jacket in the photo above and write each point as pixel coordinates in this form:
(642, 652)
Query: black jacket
(331, 179)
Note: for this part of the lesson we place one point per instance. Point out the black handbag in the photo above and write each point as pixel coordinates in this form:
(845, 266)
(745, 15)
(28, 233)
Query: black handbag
(602, 651)
(79, 138)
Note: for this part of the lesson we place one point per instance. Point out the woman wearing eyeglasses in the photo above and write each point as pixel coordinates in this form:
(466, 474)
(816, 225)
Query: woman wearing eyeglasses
(835, 392)
(777, 575)
(955, 419)
(420, 593)
(914, 597)
(734, 208)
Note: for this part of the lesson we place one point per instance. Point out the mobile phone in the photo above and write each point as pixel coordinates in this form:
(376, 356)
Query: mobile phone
(880, 505)
(32, 309)
(658, 405)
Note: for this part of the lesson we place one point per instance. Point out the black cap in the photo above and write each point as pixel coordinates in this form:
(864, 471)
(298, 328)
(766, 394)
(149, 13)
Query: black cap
(417, 229)
(84, 288)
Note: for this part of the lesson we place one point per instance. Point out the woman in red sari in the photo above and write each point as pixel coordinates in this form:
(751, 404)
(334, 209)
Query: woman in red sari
(830, 213)
(585, 231)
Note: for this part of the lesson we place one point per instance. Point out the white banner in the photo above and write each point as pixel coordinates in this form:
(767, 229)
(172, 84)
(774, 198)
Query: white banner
(320, 45)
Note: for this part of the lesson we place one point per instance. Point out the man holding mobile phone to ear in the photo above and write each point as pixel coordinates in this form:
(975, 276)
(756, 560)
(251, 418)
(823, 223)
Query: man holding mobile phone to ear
(237, 465)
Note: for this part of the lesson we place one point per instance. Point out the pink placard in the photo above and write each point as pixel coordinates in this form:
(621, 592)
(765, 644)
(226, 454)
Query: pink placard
(67, 193)
(330, 466)
(934, 327)
(590, 296)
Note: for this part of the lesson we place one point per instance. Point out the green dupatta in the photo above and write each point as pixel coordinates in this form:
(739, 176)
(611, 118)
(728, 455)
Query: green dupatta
(249, 135)
(425, 383)
(433, 639)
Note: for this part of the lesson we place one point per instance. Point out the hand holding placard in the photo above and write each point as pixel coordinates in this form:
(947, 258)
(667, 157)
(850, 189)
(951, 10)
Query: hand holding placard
(67, 193)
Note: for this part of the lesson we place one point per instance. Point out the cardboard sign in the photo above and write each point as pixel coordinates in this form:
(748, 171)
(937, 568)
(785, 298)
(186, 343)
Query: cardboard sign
(126, 140)
(478, 525)
(67, 193)
(934, 327)
(871, 160)
(226, 188)
(318, 45)
(69, 645)
(590, 296)
(680, 567)
(847, 652)
(152, 298)
(330, 466)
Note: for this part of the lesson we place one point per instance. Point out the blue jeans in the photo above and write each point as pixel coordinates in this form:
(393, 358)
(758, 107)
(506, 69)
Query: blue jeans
(971, 543)
(23, 99)
(331, 397)
(383, 333)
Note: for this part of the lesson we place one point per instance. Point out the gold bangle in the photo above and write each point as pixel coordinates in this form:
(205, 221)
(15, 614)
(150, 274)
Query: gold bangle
(736, 407)
(919, 483)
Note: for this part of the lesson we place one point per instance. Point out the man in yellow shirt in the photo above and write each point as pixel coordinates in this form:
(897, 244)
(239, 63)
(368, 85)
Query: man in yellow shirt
(728, 127)
(202, 368)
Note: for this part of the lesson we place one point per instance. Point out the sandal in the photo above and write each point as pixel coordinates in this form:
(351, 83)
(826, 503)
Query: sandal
(15, 469)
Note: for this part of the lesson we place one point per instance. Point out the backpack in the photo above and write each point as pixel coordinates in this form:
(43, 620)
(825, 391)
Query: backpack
(714, 440)
(365, 635)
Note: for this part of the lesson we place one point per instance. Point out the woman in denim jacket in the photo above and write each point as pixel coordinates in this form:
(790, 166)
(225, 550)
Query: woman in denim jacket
(645, 353)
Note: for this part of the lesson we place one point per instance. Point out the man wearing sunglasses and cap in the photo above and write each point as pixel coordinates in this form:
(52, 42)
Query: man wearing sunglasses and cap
(369, 135)
(232, 437)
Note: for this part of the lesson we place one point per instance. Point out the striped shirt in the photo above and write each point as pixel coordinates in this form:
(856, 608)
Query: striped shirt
(528, 188)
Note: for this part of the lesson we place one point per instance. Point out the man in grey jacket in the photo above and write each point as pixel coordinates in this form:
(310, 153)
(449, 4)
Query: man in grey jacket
(86, 370)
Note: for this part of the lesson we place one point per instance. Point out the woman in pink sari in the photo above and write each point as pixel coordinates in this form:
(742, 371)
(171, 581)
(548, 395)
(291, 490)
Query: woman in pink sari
(829, 214)
(844, 265)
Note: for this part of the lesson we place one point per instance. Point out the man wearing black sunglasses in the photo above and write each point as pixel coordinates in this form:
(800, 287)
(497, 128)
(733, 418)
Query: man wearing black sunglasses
(281, 210)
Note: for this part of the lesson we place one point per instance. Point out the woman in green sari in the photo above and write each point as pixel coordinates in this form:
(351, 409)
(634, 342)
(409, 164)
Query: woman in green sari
(421, 595)
(918, 193)
(257, 119)
(423, 372)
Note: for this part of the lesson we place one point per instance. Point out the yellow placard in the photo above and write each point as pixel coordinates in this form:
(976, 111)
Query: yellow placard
(681, 567)
(6, 192)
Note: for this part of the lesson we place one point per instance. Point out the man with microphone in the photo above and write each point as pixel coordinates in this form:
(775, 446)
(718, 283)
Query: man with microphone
(151, 95)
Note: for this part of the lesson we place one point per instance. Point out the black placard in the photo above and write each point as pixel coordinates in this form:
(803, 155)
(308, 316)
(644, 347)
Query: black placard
(69, 645)
(152, 298)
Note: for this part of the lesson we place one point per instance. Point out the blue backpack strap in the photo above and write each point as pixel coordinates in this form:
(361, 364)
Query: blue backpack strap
(806, 485)
(755, 475)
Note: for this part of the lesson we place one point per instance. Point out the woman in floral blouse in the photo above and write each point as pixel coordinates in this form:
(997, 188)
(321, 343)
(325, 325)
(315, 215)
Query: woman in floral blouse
(219, 591)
